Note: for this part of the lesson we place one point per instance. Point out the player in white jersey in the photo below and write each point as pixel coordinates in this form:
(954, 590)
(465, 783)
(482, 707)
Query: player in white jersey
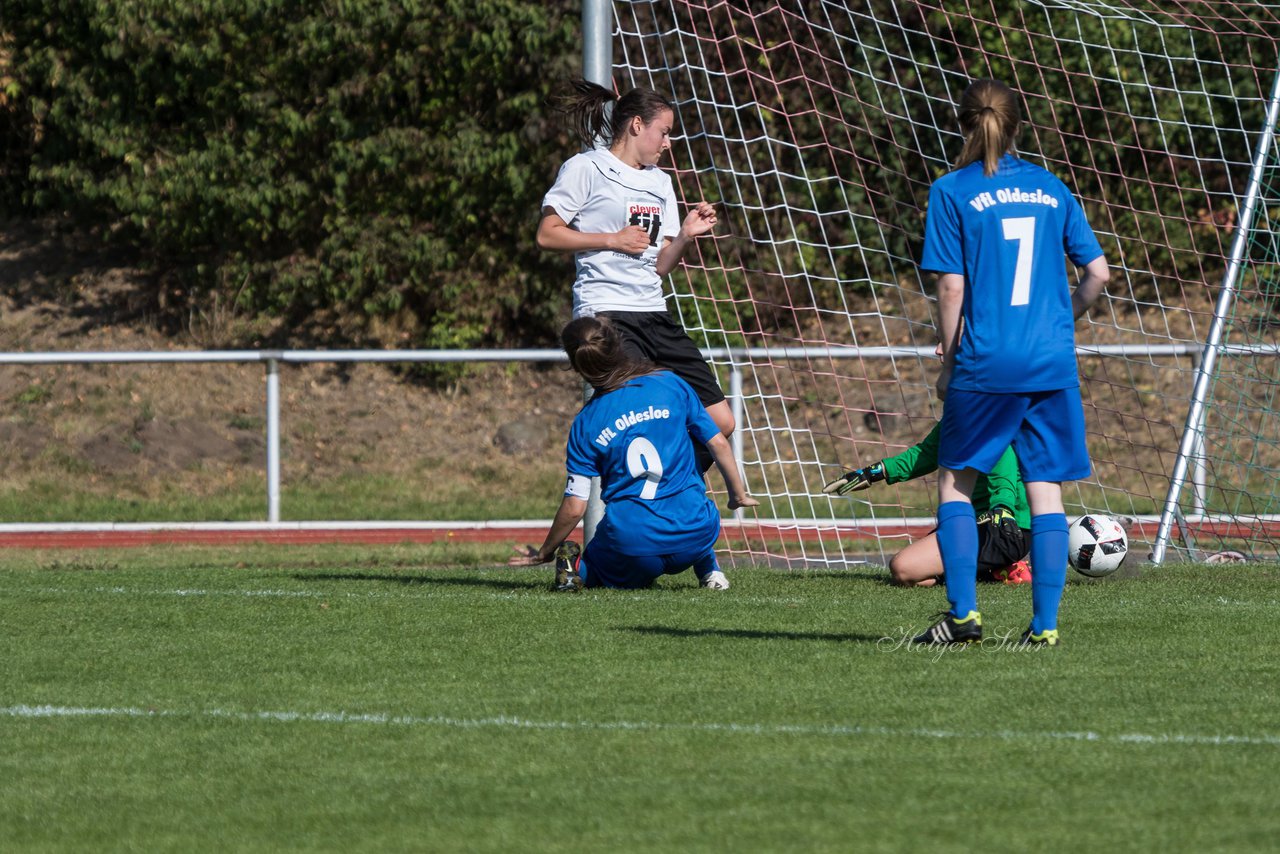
(615, 210)
(634, 435)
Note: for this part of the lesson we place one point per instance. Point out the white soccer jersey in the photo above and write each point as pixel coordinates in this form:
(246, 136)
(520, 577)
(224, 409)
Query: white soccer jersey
(596, 193)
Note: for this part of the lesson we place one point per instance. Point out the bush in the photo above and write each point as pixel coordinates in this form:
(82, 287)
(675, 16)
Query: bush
(363, 160)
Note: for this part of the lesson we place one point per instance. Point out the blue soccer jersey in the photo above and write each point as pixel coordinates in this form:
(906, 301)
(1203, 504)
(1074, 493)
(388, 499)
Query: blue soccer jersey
(1006, 235)
(636, 439)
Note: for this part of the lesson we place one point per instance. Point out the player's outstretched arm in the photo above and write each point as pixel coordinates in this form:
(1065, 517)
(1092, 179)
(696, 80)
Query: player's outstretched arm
(571, 511)
(723, 455)
(858, 479)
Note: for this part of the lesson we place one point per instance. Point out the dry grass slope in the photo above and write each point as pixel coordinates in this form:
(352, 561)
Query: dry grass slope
(139, 431)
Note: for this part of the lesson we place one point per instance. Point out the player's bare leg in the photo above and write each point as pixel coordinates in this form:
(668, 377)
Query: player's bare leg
(918, 565)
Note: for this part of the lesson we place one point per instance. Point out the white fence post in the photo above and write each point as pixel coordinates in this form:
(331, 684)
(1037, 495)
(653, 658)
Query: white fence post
(273, 437)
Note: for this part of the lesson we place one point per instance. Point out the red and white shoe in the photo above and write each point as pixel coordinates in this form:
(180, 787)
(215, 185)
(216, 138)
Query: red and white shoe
(1019, 573)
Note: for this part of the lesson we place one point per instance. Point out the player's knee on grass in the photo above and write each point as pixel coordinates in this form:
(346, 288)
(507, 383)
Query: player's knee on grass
(906, 573)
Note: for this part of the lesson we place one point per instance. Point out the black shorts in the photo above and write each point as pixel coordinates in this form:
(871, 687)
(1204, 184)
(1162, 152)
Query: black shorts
(1000, 546)
(654, 336)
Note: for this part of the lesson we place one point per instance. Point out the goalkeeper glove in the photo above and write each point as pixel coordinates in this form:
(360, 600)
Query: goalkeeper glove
(858, 479)
(999, 516)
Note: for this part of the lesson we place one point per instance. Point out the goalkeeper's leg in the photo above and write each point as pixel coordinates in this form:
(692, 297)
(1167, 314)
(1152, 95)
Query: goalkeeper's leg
(1000, 548)
(919, 564)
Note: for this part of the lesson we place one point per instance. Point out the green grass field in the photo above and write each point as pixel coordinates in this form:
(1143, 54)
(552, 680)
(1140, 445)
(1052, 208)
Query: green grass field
(424, 699)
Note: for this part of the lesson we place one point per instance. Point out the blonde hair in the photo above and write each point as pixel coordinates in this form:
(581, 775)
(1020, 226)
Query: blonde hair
(595, 351)
(989, 118)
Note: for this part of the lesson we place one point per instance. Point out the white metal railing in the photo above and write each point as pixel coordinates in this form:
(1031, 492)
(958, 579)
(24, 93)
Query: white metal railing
(736, 358)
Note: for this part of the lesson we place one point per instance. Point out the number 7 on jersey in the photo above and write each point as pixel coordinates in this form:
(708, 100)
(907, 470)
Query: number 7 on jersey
(1023, 230)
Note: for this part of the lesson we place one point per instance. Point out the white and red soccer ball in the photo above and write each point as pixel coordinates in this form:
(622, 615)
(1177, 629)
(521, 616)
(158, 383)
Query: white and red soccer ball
(1096, 545)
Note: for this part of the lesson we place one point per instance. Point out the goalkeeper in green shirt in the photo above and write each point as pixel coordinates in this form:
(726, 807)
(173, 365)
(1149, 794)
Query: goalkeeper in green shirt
(999, 500)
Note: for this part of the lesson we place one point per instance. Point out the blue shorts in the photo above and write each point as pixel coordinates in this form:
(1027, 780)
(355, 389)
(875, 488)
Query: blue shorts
(604, 566)
(1046, 429)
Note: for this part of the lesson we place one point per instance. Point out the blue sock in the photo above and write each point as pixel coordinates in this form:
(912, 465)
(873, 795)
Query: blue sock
(1048, 569)
(958, 542)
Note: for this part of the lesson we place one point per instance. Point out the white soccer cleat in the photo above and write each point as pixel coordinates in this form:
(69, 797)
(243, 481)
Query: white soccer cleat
(714, 581)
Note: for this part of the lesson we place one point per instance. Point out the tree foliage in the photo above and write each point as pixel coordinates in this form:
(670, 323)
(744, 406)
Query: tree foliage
(360, 159)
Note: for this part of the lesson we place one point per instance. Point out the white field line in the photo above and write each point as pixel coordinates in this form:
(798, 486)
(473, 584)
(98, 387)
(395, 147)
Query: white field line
(1269, 604)
(517, 723)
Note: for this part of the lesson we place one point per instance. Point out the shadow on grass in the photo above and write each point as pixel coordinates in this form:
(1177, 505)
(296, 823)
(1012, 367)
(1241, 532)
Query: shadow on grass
(540, 582)
(880, 574)
(752, 634)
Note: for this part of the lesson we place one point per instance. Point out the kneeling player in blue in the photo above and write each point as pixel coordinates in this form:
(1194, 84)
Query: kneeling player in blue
(634, 435)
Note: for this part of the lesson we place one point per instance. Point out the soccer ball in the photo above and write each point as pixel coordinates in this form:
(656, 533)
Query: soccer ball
(1096, 545)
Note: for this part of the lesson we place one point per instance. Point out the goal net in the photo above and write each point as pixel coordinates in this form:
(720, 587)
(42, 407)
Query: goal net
(817, 127)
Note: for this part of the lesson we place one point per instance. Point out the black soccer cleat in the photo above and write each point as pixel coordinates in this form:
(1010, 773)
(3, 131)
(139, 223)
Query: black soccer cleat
(568, 554)
(952, 630)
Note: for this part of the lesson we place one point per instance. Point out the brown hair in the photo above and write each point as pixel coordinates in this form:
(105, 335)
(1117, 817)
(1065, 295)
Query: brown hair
(592, 123)
(989, 118)
(595, 351)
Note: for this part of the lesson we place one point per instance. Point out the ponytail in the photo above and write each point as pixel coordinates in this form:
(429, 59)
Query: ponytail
(595, 351)
(591, 120)
(585, 108)
(989, 118)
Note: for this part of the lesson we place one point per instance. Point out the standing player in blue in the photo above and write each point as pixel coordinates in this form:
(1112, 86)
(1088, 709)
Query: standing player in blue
(634, 434)
(996, 232)
(615, 210)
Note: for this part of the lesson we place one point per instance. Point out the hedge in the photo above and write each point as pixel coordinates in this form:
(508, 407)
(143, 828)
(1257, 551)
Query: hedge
(361, 160)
